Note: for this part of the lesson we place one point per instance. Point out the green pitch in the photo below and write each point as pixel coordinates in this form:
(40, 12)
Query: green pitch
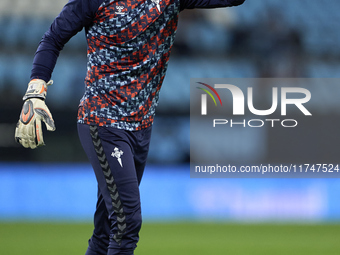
(178, 239)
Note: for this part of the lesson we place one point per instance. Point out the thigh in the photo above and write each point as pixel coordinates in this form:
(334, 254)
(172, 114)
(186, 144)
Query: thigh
(119, 153)
(141, 149)
(111, 157)
(97, 162)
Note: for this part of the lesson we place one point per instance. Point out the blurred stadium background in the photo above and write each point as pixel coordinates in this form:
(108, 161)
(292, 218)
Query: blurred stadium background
(41, 189)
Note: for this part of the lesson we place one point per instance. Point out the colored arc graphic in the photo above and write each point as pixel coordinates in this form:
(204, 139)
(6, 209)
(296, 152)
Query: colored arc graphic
(207, 91)
(212, 89)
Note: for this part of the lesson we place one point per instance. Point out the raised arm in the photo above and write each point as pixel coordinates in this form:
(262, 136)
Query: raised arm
(75, 15)
(190, 4)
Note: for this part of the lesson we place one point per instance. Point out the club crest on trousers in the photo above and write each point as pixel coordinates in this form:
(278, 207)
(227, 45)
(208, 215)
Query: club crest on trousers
(117, 154)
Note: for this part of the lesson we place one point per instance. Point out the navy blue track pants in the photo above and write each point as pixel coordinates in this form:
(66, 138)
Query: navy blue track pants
(118, 158)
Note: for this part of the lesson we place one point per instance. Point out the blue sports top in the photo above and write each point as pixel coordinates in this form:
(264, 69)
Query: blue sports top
(128, 48)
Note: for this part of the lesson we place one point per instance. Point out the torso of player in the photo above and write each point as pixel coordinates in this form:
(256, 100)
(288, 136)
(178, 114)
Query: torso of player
(129, 45)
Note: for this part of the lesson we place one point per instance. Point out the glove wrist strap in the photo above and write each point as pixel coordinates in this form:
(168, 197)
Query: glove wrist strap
(37, 89)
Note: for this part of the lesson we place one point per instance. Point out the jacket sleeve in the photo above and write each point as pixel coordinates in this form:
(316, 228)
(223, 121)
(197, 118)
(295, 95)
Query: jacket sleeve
(190, 4)
(75, 15)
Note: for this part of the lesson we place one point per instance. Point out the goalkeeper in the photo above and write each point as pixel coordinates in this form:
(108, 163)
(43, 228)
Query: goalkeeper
(128, 48)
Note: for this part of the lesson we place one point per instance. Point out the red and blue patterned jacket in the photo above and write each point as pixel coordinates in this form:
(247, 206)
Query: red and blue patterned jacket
(129, 43)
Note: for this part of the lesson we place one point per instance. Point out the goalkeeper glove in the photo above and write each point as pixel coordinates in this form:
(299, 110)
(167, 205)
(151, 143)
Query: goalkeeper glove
(28, 131)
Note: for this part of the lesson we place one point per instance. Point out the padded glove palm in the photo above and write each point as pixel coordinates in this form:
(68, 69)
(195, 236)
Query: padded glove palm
(29, 129)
